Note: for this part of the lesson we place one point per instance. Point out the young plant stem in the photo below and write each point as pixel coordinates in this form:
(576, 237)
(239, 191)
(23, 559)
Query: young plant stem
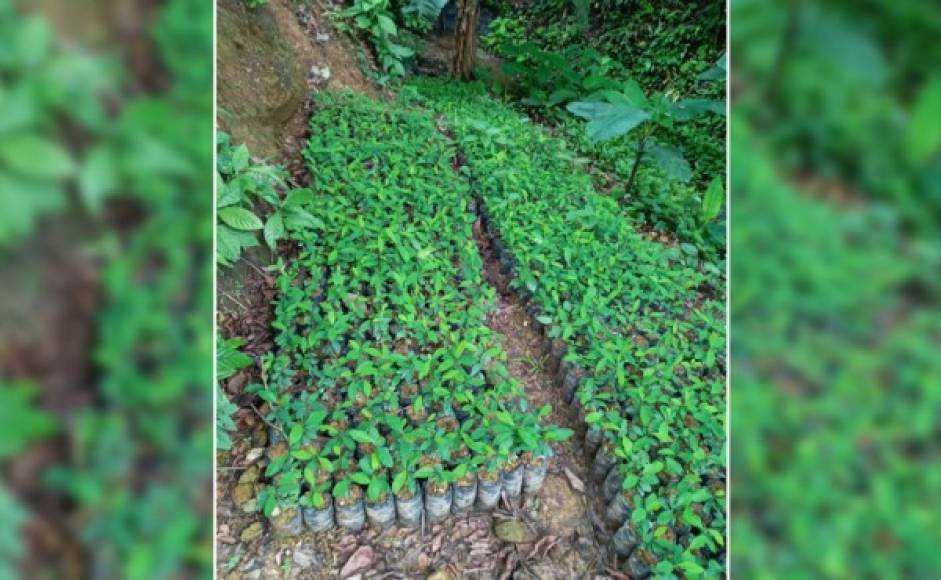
(637, 159)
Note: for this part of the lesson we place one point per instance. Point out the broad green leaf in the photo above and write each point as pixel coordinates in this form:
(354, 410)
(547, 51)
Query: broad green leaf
(608, 120)
(634, 94)
(276, 465)
(296, 433)
(240, 158)
(231, 243)
(229, 358)
(670, 160)
(23, 422)
(714, 200)
(686, 109)
(274, 230)
(360, 436)
(924, 129)
(97, 178)
(399, 482)
(240, 218)
(386, 24)
(299, 197)
(34, 156)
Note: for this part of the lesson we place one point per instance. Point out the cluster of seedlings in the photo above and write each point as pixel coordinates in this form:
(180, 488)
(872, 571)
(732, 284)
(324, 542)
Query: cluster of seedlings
(639, 333)
(387, 394)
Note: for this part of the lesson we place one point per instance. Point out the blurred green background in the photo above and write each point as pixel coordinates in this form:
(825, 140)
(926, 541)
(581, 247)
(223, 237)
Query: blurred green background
(836, 332)
(105, 303)
(105, 322)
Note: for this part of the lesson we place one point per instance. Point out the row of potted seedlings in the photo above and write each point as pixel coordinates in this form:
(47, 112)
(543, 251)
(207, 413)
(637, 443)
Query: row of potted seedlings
(387, 394)
(638, 337)
(401, 474)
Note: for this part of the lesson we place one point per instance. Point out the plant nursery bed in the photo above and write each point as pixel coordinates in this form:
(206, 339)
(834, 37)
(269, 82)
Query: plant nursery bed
(639, 340)
(479, 369)
(396, 433)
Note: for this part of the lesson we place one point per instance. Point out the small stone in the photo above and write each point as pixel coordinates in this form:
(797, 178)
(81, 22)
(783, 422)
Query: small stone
(254, 454)
(250, 475)
(423, 561)
(242, 493)
(514, 532)
(305, 557)
(251, 506)
(260, 436)
(441, 574)
(574, 481)
(252, 532)
(360, 561)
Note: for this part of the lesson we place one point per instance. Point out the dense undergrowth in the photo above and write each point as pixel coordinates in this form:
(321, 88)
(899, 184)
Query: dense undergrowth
(385, 377)
(641, 326)
(137, 470)
(836, 161)
(552, 57)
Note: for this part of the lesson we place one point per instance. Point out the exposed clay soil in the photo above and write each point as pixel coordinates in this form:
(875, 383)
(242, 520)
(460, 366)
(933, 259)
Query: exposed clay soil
(270, 59)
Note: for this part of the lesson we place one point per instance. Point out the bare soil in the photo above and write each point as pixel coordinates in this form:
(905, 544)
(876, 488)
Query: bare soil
(270, 59)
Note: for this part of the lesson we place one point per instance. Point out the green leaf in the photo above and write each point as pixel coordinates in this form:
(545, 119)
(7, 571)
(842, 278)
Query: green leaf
(608, 120)
(240, 158)
(360, 478)
(269, 504)
(240, 218)
(671, 161)
(231, 243)
(325, 464)
(229, 359)
(22, 422)
(360, 436)
(690, 567)
(342, 488)
(373, 490)
(633, 94)
(296, 433)
(559, 434)
(299, 197)
(686, 109)
(714, 200)
(34, 156)
(399, 481)
(97, 179)
(276, 464)
(386, 24)
(924, 130)
(274, 230)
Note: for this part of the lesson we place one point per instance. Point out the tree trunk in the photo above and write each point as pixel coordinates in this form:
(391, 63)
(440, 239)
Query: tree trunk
(465, 39)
